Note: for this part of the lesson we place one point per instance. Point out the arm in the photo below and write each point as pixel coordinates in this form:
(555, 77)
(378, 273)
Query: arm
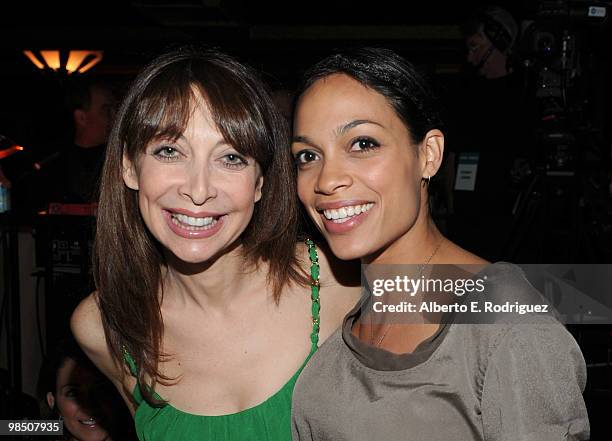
(533, 386)
(86, 325)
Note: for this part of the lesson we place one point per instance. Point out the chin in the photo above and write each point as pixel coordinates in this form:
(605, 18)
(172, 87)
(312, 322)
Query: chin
(346, 249)
(193, 258)
(92, 435)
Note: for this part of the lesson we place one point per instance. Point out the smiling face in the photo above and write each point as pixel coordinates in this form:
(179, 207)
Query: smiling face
(82, 399)
(359, 173)
(197, 193)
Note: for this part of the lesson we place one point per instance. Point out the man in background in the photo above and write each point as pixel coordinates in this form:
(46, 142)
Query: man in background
(72, 173)
(490, 36)
(490, 131)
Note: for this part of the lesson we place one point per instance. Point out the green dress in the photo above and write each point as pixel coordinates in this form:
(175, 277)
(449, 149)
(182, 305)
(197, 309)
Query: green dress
(268, 421)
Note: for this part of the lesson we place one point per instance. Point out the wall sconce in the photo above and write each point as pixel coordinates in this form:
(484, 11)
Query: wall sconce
(67, 62)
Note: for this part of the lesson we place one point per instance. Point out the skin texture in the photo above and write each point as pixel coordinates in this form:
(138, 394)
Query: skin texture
(80, 399)
(199, 174)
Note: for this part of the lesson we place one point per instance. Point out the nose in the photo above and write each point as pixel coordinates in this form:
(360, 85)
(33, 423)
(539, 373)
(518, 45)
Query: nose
(198, 185)
(333, 176)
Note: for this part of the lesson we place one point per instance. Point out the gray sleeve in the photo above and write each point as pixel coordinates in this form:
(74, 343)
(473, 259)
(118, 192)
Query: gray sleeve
(300, 431)
(533, 386)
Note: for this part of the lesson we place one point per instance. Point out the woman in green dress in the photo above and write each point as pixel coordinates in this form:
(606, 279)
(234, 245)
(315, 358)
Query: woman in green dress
(207, 306)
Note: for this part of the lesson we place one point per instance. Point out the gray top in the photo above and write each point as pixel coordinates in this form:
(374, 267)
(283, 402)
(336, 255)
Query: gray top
(519, 379)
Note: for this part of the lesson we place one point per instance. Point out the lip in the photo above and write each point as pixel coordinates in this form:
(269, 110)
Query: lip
(344, 227)
(95, 424)
(193, 234)
(339, 204)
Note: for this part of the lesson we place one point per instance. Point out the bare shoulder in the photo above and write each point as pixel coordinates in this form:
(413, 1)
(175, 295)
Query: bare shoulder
(86, 325)
(340, 289)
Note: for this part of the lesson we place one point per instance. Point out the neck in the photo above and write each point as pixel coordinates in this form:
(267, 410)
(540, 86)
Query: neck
(497, 66)
(220, 283)
(86, 141)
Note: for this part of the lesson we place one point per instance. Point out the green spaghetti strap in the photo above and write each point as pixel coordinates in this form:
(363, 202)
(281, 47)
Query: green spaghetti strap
(314, 291)
(130, 362)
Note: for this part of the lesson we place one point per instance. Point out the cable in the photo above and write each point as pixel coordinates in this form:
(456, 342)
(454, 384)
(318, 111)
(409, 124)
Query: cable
(38, 321)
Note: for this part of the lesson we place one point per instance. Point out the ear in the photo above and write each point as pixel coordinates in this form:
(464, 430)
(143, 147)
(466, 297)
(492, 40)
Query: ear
(258, 188)
(130, 177)
(50, 400)
(432, 153)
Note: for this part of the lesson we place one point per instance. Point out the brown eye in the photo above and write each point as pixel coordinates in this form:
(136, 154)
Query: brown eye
(364, 144)
(305, 156)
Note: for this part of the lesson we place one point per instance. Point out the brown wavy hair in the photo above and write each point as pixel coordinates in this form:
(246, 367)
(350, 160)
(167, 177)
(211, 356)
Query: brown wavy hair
(128, 261)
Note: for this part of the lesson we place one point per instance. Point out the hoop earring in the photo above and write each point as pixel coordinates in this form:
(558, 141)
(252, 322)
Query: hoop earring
(426, 181)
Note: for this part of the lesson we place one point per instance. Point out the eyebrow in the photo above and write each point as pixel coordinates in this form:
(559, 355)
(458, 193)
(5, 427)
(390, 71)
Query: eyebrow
(302, 139)
(181, 137)
(340, 130)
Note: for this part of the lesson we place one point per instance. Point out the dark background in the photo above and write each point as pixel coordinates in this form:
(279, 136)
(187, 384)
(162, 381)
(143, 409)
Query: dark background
(279, 38)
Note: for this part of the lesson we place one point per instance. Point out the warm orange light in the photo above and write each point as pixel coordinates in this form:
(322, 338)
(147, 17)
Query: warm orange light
(77, 58)
(10, 151)
(52, 58)
(33, 59)
(78, 61)
(97, 57)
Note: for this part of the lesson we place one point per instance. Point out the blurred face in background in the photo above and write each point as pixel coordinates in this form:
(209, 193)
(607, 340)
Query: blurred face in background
(483, 56)
(83, 399)
(96, 120)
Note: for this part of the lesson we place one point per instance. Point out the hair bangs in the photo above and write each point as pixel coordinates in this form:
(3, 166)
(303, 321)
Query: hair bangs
(237, 110)
(162, 111)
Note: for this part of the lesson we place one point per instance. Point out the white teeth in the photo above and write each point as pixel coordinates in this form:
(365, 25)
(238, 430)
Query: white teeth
(193, 223)
(89, 422)
(342, 213)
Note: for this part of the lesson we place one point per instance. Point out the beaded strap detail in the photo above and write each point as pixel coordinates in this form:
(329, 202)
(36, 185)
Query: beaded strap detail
(314, 291)
(130, 361)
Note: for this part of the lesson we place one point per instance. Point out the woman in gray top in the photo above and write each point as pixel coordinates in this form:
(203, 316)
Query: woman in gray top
(366, 143)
